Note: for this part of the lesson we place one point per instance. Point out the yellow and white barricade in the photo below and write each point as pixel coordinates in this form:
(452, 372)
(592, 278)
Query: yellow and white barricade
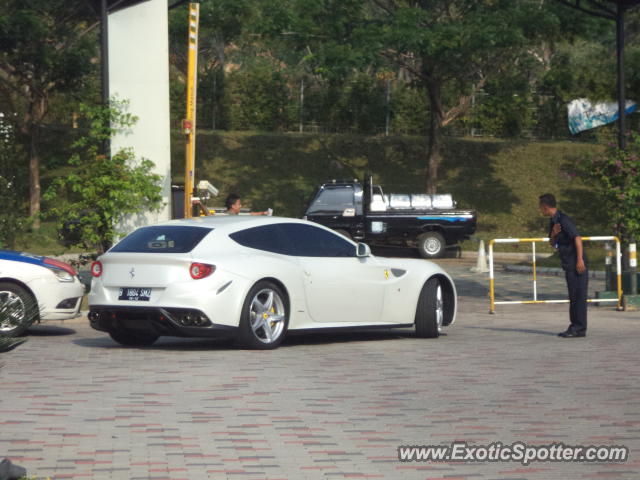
(533, 242)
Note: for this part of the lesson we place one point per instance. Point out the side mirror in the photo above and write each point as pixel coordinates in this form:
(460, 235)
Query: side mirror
(363, 250)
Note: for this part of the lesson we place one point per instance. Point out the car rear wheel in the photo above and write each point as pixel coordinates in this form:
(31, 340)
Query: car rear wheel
(430, 310)
(431, 245)
(130, 338)
(18, 310)
(265, 317)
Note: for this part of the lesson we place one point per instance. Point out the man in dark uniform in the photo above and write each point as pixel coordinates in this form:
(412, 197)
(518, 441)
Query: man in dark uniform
(564, 236)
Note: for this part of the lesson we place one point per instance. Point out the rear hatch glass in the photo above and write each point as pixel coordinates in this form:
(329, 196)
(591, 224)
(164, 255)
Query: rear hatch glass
(162, 239)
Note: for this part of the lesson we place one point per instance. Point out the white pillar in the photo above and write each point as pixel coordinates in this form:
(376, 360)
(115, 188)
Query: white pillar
(139, 72)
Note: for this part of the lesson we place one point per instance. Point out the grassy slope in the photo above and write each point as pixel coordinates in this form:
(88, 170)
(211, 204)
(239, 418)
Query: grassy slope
(500, 179)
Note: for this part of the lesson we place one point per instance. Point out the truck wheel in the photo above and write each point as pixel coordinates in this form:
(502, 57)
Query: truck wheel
(430, 310)
(431, 245)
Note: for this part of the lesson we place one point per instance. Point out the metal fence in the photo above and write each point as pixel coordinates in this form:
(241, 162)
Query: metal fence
(534, 300)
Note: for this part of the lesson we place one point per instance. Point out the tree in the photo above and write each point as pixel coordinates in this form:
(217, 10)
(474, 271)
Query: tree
(449, 49)
(453, 48)
(616, 175)
(100, 191)
(45, 49)
(222, 26)
(256, 97)
(12, 220)
(612, 10)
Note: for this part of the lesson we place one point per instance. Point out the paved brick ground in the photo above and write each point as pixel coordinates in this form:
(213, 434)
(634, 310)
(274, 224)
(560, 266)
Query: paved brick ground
(73, 404)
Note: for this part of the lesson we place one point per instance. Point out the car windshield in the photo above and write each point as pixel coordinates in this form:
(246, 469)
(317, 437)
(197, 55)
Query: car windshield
(162, 239)
(333, 200)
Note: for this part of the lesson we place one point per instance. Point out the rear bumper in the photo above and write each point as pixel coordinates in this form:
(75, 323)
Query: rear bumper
(175, 322)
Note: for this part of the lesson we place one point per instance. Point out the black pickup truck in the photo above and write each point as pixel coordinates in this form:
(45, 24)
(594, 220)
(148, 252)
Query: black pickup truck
(362, 212)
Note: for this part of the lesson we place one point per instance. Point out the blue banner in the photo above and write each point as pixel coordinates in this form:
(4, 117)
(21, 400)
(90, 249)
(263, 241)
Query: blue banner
(584, 115)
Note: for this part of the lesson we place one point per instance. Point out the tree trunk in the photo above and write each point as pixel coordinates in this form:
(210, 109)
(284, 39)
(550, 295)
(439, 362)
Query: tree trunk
(39, 109)
(34, 178)
(436, 117)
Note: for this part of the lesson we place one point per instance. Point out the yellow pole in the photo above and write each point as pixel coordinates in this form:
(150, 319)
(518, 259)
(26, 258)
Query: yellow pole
(492, 305)
(189, 124)
(533, 267)
(619, 273)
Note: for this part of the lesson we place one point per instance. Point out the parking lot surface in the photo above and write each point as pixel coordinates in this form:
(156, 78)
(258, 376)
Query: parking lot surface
(74, 404)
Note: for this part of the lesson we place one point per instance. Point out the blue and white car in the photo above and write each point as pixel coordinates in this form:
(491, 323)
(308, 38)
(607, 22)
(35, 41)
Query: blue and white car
(34, 288)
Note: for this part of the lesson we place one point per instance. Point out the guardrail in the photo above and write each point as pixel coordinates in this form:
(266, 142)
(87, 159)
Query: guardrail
(535, 285)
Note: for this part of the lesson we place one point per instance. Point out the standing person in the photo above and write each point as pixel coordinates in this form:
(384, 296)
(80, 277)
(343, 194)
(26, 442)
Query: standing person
(234, 205)
(564, 236)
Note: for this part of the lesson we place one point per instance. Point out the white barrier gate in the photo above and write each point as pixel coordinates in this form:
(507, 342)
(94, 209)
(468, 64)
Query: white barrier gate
(535, 285)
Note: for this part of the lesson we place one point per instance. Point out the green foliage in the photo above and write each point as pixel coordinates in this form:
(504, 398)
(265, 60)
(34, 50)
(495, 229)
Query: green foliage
(615, 174)
(257, 97)
(361, 105)
(409, 108)
(47, 50)
(101, 191)
(13, 217)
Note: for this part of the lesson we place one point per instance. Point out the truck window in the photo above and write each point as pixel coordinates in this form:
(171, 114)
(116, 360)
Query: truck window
(332, 200)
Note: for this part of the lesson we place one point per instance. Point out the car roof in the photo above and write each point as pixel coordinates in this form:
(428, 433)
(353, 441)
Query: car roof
(231, 223)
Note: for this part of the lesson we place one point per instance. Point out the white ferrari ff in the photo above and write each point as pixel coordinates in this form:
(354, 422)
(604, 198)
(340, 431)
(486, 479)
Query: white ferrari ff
(255, 278)
(35, 288)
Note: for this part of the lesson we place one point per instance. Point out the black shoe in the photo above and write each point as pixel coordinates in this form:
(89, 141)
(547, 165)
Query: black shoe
(572, 334)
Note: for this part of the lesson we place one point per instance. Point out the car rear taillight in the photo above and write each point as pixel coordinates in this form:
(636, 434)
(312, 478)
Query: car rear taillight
(96, 269)
(201, 270)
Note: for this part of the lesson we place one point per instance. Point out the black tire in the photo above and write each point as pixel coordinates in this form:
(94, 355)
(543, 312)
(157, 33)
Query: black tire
(344, 233)
(265, 317)
(129, 338)
(431, 245)
(430, 310)
(18, 310)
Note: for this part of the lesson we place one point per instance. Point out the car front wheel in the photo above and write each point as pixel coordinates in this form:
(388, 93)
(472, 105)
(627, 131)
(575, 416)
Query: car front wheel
(430, 310)
(18, 310)
(265, 317)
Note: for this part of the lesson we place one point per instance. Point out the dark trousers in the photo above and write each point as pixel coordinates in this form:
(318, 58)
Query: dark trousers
(577, 285)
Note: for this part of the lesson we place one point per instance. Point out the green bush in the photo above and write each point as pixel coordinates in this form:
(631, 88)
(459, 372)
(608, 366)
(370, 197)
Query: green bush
(99, 191)
(13, 187)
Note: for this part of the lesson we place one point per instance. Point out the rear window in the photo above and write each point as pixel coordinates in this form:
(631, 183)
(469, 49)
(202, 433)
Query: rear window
(162, 239)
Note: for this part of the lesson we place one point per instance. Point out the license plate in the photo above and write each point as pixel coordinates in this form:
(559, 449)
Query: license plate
(137, 294)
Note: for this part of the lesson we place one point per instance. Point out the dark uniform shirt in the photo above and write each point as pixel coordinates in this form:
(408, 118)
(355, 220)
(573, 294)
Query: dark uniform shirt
(565, 241)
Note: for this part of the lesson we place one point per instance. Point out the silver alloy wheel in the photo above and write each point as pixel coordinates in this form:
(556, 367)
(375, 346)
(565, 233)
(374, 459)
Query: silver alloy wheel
(12, 311)
(267, 315)
(432, 246)
(439, 308)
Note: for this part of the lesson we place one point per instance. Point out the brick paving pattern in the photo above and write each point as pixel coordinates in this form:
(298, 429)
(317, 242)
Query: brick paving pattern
(75, 405)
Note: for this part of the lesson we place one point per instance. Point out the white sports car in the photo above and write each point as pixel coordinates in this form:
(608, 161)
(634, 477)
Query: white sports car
(35, 288)
(255, 278)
